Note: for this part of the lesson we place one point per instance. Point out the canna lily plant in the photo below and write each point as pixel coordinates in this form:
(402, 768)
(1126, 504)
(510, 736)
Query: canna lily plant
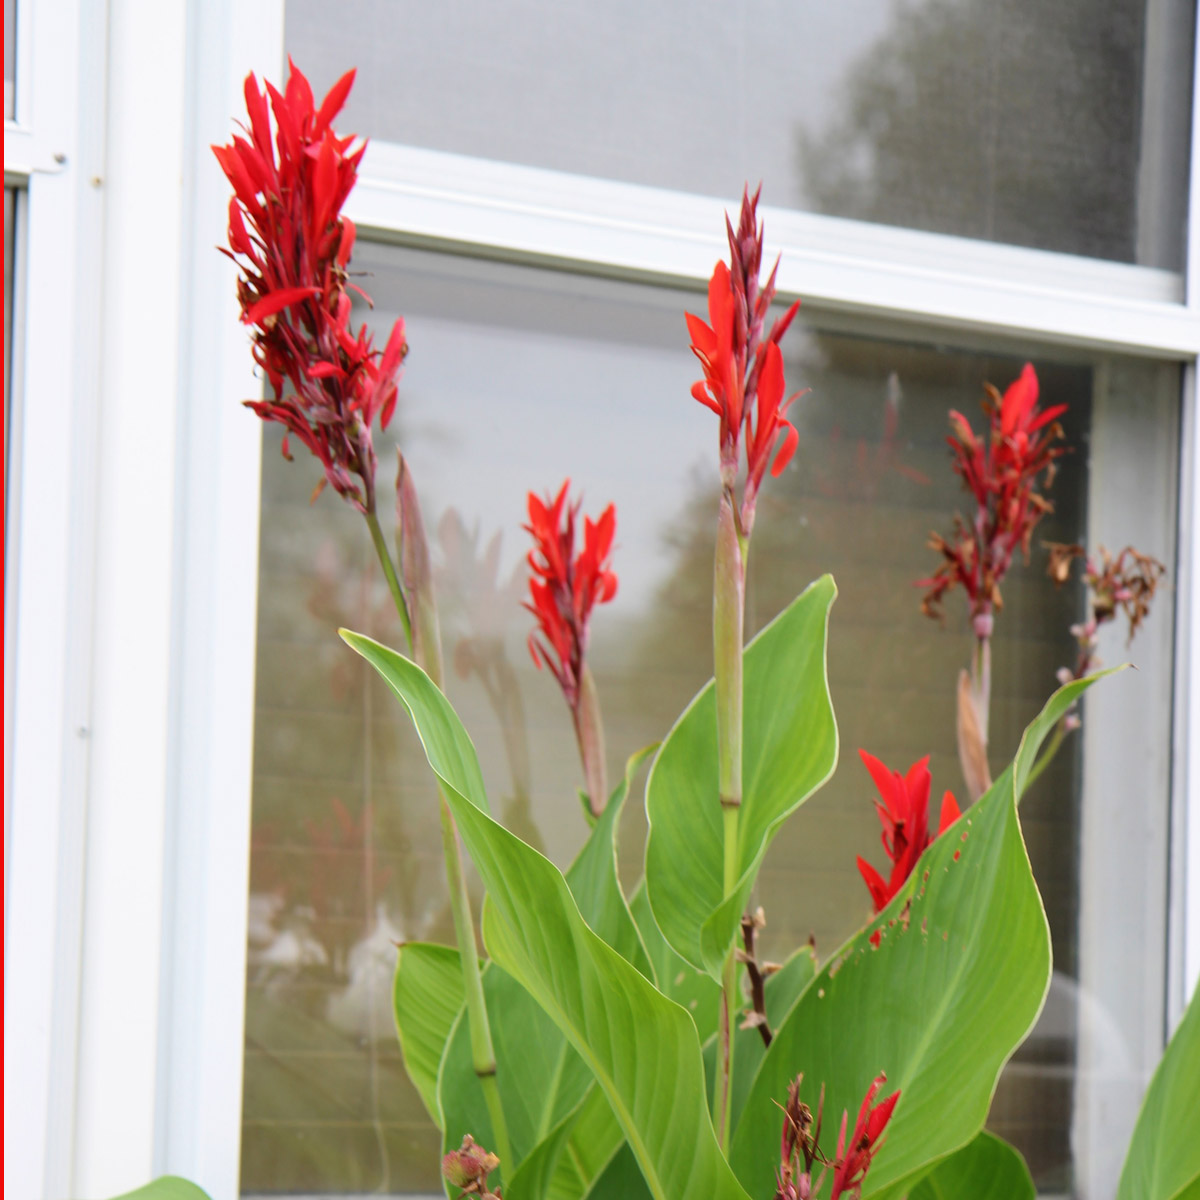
(613, 1044)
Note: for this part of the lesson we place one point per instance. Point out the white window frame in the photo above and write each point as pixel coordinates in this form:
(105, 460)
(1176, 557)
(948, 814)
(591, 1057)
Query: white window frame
(134, 641)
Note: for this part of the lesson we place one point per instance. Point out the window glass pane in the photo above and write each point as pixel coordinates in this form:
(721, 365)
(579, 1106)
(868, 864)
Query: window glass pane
(516, 378)
(1060, 126)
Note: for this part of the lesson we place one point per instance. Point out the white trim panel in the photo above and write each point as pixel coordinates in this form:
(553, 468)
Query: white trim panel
(213, 651)
(524, 212)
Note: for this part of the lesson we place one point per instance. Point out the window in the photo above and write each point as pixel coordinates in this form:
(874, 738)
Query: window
(955, 186)
(1060, 126)
(518, 376)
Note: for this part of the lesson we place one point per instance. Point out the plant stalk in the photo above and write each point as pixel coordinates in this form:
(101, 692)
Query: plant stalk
(589, 730)
(973, 704)
(483, 1055)
(981, 682)
(389, 573)
(729, 612)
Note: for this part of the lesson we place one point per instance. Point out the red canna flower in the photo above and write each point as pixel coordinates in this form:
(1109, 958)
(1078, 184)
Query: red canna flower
(563, 589)
(743, 373)
(564, 586)
(1001, 473)
(903, 810)
(292, 245)
(853, 1160)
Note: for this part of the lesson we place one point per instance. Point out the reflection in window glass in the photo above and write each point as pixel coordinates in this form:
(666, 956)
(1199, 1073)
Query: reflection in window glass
(1060, 126)
(516, 379)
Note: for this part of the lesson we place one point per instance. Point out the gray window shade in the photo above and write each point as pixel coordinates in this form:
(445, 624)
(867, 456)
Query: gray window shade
(517, 378)
(1060, 126)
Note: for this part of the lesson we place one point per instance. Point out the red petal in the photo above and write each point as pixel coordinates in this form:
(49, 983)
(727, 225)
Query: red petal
(702, 337)
(324, 182)
(790, 441)
(917, 783)
(299, 92)
(888, 784)
(700, 392)
(323, 370)
(1020, 397)
(277, 302)
(346, 245)
(332, 104)
(256, 106)
(950, 813)
(881, 1115)
(238, 238)
(781, 326)
(875, 884)
(770, 381)
(1044, 418)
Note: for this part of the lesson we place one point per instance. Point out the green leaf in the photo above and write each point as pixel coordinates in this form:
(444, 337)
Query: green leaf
(789, 750)
(987, 1168)
(957, 981)
(594, 882)
(642, 1048)
(622, 1180)
(167, 1187)
(541, 1079)
(1164, 1157)
(428, 995)
(567, 1164)
(678, 980)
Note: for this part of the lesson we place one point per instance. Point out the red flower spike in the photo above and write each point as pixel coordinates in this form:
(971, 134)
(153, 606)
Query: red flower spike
(854, 1159)
(903, 809)
(1001, 473)
(292, 245)
(743, 370)
(565, 587)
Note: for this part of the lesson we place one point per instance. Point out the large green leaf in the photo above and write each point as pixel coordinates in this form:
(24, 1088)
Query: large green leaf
(641, 1047)
(678, 980)
(428, 995)
(987, 1168)
(956, 983)
(790, 750)
(1164, 1156)
(567, 1164)
(621, 1180)
(540, 1078)
(594, 881)
(167, 1187)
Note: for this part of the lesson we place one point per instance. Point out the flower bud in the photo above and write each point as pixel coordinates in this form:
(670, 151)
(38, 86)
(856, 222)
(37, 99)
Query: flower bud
(416, 574)
(469, 1166)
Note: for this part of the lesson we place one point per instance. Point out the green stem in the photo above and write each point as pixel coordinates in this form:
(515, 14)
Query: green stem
(729, 610)
(389, 573)
(483, 1055)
